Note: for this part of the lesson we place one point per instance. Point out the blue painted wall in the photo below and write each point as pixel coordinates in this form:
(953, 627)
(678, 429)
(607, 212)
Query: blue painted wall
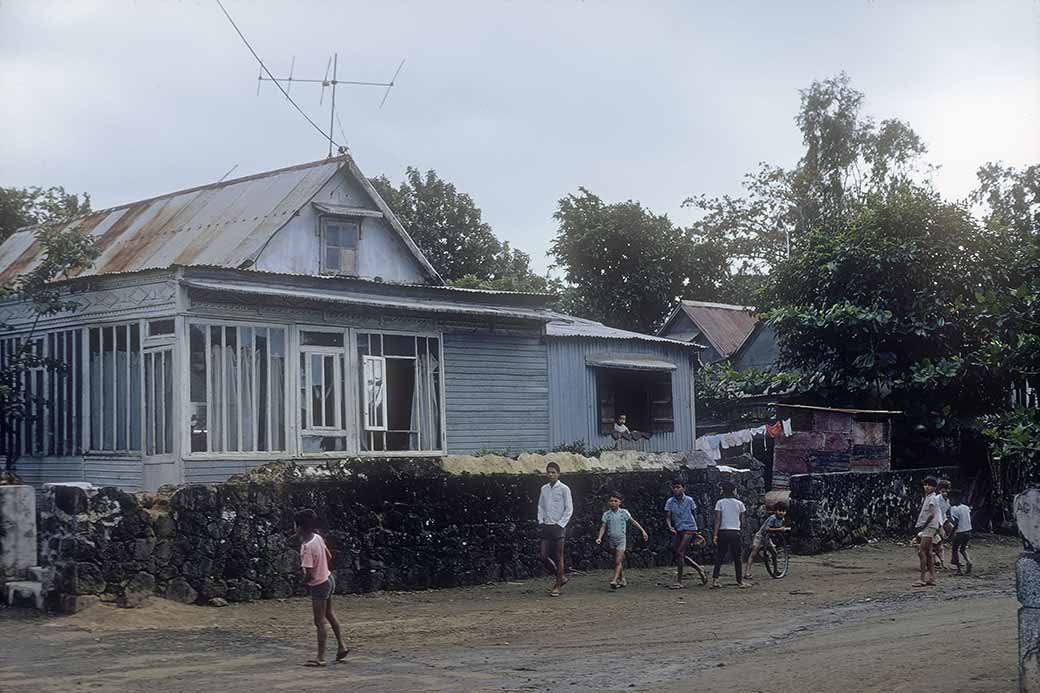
(496, 393)
(760, 352)
(574, 407)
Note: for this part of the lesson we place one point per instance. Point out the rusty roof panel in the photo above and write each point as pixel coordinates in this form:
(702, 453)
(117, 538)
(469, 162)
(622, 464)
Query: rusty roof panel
(725, 326)
(219, 225)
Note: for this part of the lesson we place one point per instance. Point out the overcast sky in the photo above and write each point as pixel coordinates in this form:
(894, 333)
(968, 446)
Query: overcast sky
(517, 103)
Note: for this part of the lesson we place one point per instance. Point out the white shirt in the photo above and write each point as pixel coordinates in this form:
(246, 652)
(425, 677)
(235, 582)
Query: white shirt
(621, 428)
(930, 506)
(554, 505)
(731, 510)
(943, 504)
(962, 514)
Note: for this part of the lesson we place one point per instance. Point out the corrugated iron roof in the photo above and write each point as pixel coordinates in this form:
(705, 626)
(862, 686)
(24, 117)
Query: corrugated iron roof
(562, 325)
(726, 326)
(223, 224)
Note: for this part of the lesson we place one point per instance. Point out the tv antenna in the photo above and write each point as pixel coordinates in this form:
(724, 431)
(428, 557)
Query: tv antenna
(327, 83)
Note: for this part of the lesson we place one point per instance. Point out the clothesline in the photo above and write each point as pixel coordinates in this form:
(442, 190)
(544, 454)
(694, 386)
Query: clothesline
(713, 444)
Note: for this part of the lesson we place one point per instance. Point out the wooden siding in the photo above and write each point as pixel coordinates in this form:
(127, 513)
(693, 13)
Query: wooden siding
(496, 393)
(124, 472)
(574, 408)
(212, 471)
(48, 470)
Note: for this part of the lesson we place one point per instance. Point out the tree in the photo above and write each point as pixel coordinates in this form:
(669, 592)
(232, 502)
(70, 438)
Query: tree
(625, 265)
(848, 158)
(64, 252)
(20, 207)
(447, 226)
(880, 309)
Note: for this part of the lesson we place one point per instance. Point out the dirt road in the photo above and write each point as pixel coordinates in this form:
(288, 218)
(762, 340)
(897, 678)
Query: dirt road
(844, 621)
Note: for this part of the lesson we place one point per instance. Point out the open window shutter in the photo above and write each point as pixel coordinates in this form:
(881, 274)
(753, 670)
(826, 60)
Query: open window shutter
(606, 403)
(662, 418)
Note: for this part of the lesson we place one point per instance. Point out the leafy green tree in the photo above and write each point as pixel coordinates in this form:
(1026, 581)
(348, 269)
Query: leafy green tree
(447, 226)
(847, 159)
(64, 252)
(880, 309)
(625, 265)
(21, 207)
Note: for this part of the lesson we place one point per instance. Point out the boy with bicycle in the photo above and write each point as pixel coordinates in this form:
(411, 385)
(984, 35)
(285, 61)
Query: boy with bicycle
(774, 524)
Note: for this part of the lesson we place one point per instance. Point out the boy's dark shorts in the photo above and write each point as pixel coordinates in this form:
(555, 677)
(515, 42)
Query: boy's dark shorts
(553, 533)
(322, 592)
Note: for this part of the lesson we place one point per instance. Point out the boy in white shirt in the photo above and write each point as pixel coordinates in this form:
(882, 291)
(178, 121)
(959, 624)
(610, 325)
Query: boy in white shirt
(928, 522)
(730, 514)
(960, 515)
(942, 502)
(555, 508)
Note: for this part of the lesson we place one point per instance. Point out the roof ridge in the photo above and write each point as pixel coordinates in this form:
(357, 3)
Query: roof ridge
(196, 188)
(710, 304)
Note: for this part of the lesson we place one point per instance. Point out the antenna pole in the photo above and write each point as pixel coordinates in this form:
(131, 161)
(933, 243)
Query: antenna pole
(332, 114)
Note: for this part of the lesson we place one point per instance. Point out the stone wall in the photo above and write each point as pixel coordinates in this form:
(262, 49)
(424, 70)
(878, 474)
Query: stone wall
(403, 524)
(829, 511)
(1027, 578)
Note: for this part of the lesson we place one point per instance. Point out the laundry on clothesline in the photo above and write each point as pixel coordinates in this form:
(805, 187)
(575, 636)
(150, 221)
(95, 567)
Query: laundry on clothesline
(714, 444)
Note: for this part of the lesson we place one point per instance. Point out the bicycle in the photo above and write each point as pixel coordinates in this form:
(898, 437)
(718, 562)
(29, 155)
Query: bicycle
(776, 554)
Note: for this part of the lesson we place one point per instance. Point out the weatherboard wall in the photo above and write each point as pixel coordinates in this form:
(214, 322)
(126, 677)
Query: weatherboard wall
(496, 393)
(574, 404)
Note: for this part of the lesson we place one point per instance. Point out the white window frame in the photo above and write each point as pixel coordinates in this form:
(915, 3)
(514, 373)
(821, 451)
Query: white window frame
(367, 425)
(323, 222)
(89, 414)
(442, 399)
(184, 342)
(345, 402)
(155, 423)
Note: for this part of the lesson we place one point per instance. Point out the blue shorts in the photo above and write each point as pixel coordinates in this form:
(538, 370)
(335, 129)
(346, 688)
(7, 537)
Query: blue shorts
(323, 592)
(617, 542)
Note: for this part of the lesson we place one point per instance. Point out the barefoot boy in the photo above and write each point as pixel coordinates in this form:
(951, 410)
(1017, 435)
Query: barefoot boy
(773, 524)
(555, 508)
(615, 523)
(942, 503)
(678, 517)
(320, 583)
(960, 514)
(927, 529)
(730, 516)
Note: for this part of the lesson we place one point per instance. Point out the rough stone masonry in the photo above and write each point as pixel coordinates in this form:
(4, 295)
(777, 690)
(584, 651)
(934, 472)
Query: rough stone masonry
(1027, 575)
(391, 524)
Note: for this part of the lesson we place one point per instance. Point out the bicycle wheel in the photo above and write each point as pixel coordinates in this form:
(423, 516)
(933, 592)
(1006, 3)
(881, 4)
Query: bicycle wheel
(777, 559)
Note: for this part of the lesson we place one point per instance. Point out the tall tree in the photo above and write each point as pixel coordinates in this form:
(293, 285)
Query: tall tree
(847, 158)
(447, 226)
(34, 205)
(625, 265)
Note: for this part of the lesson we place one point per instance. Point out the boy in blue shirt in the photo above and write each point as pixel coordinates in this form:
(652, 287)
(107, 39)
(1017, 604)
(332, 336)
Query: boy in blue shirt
(773, 524)
(615, 524)
(678, 517)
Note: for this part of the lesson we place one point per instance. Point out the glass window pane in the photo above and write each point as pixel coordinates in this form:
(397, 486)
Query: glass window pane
(329, 405)
(160, 327)
(317, 411)
(278, 389)
(167, 397)
(398, 345)
(96, 389)
(332, 235)
(262, 391)
(149, 404)
(245, 350)
(232, 391)
(373, 392)
(332, 259)
(332, 339)
(216, 388)
(197, 386)
(135, 386)
(400, 395)
(108, 391)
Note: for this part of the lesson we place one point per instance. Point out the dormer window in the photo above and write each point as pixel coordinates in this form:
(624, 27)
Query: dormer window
(339, 245)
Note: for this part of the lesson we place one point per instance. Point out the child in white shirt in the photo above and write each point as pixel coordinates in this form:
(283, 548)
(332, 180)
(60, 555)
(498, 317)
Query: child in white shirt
(730, 514)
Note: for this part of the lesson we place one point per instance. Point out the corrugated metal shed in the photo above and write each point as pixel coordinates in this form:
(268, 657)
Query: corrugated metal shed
(726, 327)
(224, 224)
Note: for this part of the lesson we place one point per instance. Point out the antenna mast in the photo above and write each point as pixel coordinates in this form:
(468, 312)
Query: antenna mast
(331, 84)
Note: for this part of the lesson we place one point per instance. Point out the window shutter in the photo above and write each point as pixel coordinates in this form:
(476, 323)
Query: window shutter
(606, 403)
(662, 418)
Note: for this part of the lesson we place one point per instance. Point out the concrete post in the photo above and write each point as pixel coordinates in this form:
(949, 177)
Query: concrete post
(17, 531)
(1027, 577)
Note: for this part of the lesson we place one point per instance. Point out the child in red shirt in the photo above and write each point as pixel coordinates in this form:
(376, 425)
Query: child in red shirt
(320, 583)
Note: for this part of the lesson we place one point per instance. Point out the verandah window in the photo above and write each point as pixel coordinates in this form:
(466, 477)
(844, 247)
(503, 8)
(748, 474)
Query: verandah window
(237, 388)
(53, 418)
(400, 388)
(115, 388)
(643, 396)
(323, 396)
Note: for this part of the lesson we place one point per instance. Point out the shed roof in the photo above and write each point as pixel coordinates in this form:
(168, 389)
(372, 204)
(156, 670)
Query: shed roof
(223, 224)
(875, 412)
(562, 325)
(725, 326)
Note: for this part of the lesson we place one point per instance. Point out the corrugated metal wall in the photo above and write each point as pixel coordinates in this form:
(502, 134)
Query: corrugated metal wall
(574, 408)
(496, 393)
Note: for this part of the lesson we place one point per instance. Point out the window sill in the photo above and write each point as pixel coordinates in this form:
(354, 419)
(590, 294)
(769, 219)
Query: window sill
(102, 454)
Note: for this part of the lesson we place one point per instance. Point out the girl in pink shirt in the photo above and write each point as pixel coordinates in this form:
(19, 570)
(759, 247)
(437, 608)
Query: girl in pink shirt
(320, 583)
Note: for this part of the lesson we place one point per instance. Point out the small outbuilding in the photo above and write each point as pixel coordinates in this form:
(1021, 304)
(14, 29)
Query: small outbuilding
(825, 439)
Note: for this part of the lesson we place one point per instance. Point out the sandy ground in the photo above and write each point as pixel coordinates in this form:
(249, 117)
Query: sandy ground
(845, 621)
